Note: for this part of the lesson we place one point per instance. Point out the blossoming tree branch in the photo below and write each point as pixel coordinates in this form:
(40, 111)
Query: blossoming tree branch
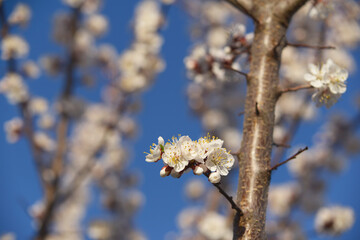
(258, 70)
(264, 49)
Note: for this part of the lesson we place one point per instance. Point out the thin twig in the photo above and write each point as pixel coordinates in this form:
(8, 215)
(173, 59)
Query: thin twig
(57, 163)
(227, 196)
(294, 89)
(283, 145)
(238, 231)
(289, 159)
(302, 45)
(235, 70)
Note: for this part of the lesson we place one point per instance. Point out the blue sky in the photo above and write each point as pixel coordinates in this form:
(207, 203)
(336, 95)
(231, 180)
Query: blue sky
(165, 112)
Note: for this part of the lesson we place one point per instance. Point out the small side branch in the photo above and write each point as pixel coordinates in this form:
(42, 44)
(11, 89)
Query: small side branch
(294, 89)
(283, 145)
(301, 45)
(289, 159)
(238, 231)
(227, 196)
(237, 71)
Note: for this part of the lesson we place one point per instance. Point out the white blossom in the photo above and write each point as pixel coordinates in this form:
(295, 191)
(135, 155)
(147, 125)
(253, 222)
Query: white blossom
(336, 77)
(316, 77)
(219, 160)
(7, 236)
(30, 69)
(188, 218)
(83, 40)
(38, 105)
(189, 149)
(13, 129)
(13, 46)
(148, 19)
(97, 24)
(213, 226)
(214, 177)
(44, 142)
(282, 198)
(46, 121)
(207, 144)
(155, 151)
(14, 88)
(99, 230)
(21, 15)
(172, 156)
(334, 220)
(329, 80)
(214, 118)
(194, 189)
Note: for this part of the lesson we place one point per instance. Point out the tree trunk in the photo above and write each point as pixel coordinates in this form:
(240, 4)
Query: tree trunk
(271, 23)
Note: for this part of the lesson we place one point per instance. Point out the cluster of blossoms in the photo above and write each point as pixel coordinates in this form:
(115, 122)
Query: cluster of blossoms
(334, 220)
(209, 225)
(206, 155)
(329, 80)
(212, 66)
(140, 63)
(214, 61)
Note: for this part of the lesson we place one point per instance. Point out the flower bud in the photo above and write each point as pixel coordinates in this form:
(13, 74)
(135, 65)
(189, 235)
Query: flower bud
(165, 171)
(198, 170)
(214, 177)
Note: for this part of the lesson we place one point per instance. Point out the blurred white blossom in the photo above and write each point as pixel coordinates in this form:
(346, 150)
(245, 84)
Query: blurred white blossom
(13, 46)
(214, 227)
(13, 129)
(20, 15)
(334, 220)
(13, 87)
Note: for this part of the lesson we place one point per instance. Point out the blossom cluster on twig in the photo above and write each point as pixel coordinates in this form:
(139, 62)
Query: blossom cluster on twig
(206, 155)
(329, 80)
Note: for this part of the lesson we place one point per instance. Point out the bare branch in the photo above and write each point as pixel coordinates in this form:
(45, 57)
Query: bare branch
(302, 45)
(283, 145)
(239, 213)
(235, 70)
(52, 194)
(294, 89)
(227, 196)
(289, 159)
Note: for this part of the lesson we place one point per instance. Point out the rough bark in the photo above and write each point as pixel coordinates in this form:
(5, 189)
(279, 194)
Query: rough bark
(271, 22)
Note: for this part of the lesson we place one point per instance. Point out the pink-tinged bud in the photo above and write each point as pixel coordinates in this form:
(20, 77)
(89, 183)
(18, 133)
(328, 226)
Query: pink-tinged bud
(165, 171)
(198, 170)
(175, 174)
(214, 177)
